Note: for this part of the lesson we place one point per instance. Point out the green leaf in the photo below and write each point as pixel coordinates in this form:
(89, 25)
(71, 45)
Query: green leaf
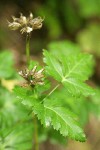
(7, 108)
(71, 71)
(63, 48)
(77, 87)
(55, 137)
(61, 119)
(6, 64)
(74, 104)
(50, 115)
(25, 95)
(53, 67)
(42, 89)
(20, 137)
(10, 110)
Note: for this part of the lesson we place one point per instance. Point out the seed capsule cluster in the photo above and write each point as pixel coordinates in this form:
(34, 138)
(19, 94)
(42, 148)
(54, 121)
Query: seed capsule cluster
(32, 77)
(25, 24)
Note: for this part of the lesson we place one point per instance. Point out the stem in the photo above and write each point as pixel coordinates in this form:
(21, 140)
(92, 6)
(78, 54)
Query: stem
(51, 91)
(36, 142)
(28, 49)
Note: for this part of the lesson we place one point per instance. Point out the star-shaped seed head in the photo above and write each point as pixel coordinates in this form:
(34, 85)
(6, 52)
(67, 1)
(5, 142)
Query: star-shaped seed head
(25, 24)
(33, 77)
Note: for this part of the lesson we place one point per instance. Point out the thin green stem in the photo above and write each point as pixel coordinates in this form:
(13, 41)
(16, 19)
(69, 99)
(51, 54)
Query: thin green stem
(28, 49)
(51, 92)
(36, 142)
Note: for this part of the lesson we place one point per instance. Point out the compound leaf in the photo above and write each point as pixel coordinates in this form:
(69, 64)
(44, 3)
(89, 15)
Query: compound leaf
(71, 71)
(61, 119)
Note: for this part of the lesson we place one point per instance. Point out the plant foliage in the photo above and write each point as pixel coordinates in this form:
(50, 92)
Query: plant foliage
(71, 72)
(58, 108)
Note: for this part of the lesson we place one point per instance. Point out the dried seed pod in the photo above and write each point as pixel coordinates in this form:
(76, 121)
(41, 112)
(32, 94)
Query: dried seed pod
(26, 30)
(33, 77)
(25, 24)
(14, 25)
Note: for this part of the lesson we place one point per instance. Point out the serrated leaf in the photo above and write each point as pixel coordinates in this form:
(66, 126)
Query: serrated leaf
(74, 104)
(71, 71)
(77, 87)
(55, 137)
(53, 68)
(61, 119)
